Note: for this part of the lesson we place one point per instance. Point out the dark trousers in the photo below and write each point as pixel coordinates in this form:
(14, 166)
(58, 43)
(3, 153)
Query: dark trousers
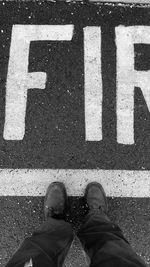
(102, 240)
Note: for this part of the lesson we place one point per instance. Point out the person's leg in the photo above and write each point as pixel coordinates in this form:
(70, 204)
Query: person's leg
(102, 239)
(49, 245)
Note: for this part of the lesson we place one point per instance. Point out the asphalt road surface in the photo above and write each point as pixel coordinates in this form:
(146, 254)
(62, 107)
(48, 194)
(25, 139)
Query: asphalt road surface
(73, 113)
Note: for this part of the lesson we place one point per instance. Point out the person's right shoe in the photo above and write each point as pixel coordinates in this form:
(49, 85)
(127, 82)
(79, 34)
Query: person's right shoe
(95, 197)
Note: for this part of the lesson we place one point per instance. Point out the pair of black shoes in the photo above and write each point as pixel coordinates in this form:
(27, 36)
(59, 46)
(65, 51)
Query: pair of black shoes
(56, 199)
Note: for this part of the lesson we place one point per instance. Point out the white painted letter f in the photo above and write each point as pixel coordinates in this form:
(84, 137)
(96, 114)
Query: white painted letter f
(19, 80)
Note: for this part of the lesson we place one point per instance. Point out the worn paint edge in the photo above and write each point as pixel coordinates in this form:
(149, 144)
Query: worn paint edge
(122, 1)
(34, 182)
(112, 2)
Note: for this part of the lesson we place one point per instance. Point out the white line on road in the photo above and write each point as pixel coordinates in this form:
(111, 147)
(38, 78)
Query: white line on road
(117, 183)
(123, 1)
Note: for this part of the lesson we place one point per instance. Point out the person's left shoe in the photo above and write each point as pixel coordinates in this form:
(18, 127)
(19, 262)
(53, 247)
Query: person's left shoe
(55, 201)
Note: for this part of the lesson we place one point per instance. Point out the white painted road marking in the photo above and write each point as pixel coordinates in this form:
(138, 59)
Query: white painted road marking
(128, 78)
(117, 183)
(121, 2)
(18, 79)
(93, 83)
